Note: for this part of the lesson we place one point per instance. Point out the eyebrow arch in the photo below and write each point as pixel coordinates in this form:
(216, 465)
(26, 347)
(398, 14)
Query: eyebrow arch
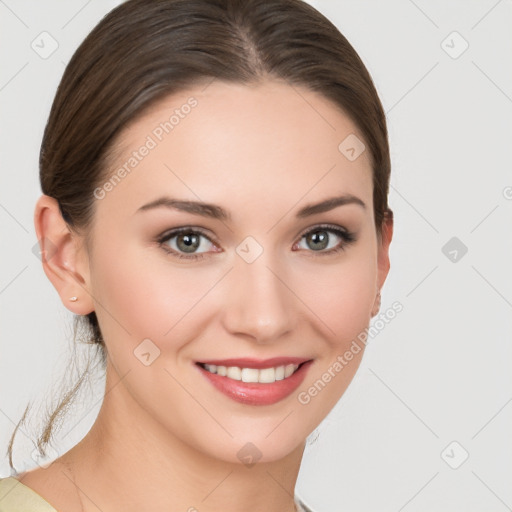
(329, 204)
(194, 207)
(217, 212)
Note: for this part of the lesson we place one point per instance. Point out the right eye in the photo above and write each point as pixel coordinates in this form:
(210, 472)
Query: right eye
(184, 242)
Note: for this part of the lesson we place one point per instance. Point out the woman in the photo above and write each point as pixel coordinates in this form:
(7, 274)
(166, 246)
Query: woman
(215, 178)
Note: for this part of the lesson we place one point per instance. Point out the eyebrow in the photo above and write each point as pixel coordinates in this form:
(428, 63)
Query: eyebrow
(329, 204)
(217, 212)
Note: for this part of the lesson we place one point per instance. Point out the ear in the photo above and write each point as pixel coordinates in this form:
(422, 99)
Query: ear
(63, 255)
(383, 256)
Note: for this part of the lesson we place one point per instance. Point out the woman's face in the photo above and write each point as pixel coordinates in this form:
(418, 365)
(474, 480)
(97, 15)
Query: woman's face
(244, 284)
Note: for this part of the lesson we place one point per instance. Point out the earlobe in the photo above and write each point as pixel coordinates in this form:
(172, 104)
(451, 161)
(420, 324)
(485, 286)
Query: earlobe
(383, 256)
(62, 256)
(376, 304)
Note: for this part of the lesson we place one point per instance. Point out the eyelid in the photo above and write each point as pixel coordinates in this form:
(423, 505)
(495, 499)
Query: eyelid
(327, 226)
(170, 233)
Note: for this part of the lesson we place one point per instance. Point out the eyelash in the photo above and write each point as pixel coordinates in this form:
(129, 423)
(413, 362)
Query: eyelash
(347, 237)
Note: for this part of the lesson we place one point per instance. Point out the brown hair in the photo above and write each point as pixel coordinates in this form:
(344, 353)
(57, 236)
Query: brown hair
(144, 50)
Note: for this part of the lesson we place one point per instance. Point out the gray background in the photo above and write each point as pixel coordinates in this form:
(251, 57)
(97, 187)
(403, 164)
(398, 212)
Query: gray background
(440, 371)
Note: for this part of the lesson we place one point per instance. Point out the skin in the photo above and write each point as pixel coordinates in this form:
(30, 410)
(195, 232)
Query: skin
(164, 435)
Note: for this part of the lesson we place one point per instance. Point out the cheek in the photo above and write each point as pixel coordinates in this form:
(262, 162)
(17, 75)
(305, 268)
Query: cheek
(341, 295)
(142, 297)
(342, 298)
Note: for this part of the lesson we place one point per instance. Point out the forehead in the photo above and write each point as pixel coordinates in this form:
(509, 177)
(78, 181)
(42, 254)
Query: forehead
(242, 145)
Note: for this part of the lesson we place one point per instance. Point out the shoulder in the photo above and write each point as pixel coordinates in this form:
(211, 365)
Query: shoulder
(17, 497)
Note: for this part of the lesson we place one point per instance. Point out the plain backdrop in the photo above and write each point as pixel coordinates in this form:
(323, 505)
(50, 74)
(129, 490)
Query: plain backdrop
(426, 423)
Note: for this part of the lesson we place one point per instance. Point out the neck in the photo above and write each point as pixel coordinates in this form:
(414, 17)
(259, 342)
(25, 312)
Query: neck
(127, 461)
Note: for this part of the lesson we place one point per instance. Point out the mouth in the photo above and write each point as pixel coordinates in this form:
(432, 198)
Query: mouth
(266, 375)
(254, 382)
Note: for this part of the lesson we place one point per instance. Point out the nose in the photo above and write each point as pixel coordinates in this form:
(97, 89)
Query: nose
(258, 302)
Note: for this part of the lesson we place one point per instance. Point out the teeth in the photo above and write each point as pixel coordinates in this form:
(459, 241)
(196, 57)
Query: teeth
(265, 375)
(233, 372)
(250, 375)
(290, 368)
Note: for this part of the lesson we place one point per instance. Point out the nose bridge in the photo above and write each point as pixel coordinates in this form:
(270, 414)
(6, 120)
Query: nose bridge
(258, 303)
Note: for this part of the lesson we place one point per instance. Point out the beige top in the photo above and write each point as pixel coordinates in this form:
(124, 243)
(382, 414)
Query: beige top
(17, 497)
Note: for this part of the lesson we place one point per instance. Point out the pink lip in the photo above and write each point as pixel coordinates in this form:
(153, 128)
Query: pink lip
(248, 362)
(255, 393)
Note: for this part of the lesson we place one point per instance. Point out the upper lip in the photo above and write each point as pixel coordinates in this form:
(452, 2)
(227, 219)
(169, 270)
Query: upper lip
(248, 362)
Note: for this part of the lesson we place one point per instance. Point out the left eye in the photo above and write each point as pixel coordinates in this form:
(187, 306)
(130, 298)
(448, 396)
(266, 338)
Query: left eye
(320, 240)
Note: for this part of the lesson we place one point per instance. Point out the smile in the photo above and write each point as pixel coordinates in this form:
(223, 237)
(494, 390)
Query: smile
(264, 375)
(254, 382)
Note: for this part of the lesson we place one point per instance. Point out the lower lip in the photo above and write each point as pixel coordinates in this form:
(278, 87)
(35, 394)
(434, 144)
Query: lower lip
(255, 393)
